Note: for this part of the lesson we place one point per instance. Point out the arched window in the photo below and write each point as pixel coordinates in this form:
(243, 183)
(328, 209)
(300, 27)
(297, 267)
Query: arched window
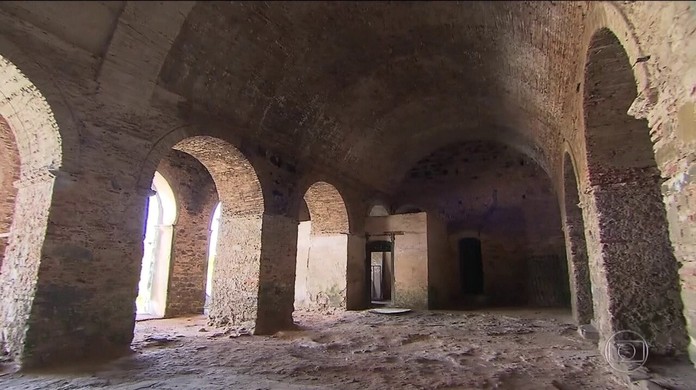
(154, 274)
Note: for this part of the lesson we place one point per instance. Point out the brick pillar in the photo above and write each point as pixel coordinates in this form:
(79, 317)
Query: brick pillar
(576, 248)
(84, 276)
(634, 277)
(578, 266)
(358, 291)
(22, 262)
(236, 273)
(196, 198)
(254, 274)
(277, 274)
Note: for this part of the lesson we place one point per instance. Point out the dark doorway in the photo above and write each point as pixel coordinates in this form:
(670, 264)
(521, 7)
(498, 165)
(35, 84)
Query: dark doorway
(381, 276)
(471, 266)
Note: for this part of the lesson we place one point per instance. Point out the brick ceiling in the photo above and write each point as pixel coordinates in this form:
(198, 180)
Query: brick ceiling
(368, 89)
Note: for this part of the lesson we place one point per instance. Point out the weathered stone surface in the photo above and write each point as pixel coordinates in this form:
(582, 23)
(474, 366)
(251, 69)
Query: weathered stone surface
(494, 193)
(356, 95)
(196, 198)
(630, 240)
(576, 247)
(9, 174)
(322, 255)
(410, 256)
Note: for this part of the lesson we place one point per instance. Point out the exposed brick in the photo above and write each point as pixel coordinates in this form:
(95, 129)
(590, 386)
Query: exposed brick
(355, 95)
(197, 198)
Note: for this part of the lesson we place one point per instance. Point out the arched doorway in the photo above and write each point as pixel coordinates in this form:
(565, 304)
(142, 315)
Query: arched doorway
(629, 238)
(322, 255)
(157, 248)
(380, 261)
(576, 247)
(235, 274)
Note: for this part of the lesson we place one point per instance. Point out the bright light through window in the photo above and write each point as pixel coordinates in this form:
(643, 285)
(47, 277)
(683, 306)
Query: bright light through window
(214, 227)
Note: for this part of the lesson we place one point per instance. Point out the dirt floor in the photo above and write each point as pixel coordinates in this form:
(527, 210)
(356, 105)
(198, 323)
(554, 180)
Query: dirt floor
(521, 349)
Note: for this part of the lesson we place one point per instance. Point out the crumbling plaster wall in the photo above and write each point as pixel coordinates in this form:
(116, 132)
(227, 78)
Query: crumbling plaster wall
(196, 197)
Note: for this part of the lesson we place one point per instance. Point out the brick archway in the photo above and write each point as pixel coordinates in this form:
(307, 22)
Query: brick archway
(322, 250)
(629, 239)
(32, 141)
(236, 274)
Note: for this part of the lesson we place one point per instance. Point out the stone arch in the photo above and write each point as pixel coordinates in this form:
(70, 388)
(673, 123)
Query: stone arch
(164, 190)
(169, 16)
(322, 255)
(9, 174)
(576, 245)
(228, 167)
(196, 197)
(327, 210)
(31, 136)
(606, 16)
(159, 235)
(32, 89)
(238, 263)
(629, 240)
(31, 120)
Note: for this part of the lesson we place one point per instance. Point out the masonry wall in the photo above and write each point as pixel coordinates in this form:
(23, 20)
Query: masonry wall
(304, 231)
(443, 266)
(358, 292)
(326, 271)
(9, 174)
(326, 264)
(492, 192)
(410, 256)
(196, 198)
(666, 31)
(581, 295)
(74, 294)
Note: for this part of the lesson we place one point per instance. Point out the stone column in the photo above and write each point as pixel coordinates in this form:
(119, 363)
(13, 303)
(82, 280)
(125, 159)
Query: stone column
(357, 291)
(236, 274)
(23, 259)
(634, 273)
(277, 274)
(680, 199)
(84, 277)
(578, 263)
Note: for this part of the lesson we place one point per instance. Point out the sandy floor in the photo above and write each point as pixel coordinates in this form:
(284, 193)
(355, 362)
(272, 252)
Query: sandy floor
(354, 350)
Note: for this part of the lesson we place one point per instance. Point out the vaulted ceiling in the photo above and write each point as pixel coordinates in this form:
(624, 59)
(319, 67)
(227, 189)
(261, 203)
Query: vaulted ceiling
(370, 88)
(365, 89)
